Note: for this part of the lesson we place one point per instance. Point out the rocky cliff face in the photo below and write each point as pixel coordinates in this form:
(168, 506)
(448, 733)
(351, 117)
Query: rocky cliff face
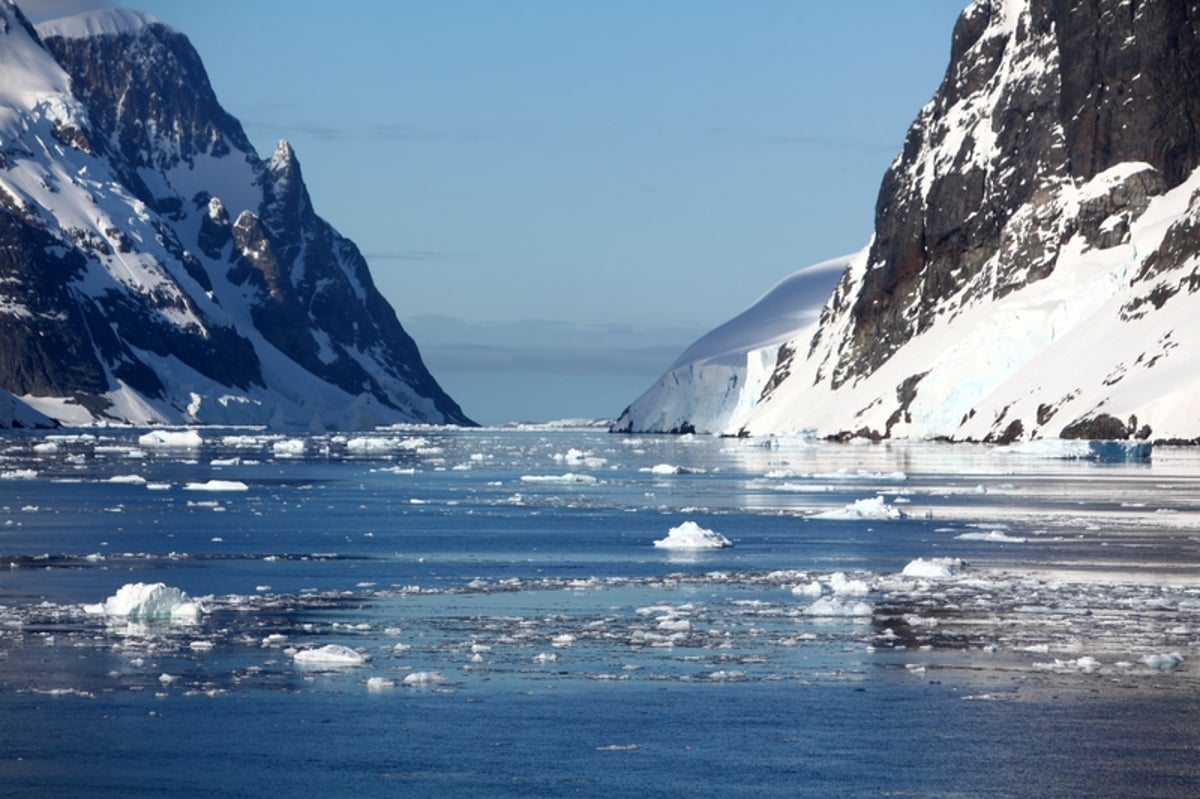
(154, 269)
(1040, 95)
(1035, 266)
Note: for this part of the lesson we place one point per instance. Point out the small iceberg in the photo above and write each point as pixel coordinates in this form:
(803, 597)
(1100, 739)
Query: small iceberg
(329, 656)
(149, 602)
(690, 535)
(933, 568)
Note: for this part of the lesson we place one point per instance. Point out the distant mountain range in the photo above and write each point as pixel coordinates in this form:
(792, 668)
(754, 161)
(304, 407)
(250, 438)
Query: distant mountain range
(1035, 266)
(154, 269)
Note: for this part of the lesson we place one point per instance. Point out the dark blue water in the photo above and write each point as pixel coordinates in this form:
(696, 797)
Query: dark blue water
(559, 652)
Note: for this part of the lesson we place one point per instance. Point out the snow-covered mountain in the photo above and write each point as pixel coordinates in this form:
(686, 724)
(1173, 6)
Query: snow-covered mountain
(1035, 266)
(154, 269)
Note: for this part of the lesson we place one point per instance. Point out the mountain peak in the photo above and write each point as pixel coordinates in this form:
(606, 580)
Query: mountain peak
(125, 292)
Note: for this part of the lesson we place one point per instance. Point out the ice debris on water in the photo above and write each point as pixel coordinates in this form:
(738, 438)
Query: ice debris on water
(690, 535)
(148, 601)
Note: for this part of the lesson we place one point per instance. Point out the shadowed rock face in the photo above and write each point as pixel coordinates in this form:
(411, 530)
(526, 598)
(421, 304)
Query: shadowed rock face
(1061, 93)
(165, 276)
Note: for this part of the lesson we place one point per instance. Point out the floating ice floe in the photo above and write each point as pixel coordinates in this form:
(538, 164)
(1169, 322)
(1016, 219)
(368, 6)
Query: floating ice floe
(994, 536)
(690, 535)
(869, 508)
(840, 584)
(933, 568)
(578, 456)
(217, 485)
(424, 678)
(1084, 665)
(570, 478)
(289, 447)
(148, 601)
(171, 439)
(330, 655)
(1164, 661)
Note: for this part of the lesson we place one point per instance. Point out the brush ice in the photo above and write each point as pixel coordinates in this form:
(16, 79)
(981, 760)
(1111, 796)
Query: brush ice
(690, 535)
(149, 601)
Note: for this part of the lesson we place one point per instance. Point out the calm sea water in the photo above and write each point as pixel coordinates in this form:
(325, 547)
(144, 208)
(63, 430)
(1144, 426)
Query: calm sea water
(516, 631)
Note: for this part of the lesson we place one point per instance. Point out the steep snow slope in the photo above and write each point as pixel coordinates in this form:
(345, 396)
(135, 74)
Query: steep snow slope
(155, 269)
(1035, 266)
(714, 384)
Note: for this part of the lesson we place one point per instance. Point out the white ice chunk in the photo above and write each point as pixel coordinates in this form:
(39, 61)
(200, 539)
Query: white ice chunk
(1164, 661)
(869, 508)
(933, 568)
(840, 584)
(149, 601)
(994, 536)
(828, 606)
(332, 655)
(217, 485)
(171, 439)
(808, 589)
(424, 678)
(570, 478)
(690, 535)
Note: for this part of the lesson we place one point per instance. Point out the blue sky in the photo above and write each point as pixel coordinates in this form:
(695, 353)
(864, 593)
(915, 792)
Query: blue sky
(558, 197)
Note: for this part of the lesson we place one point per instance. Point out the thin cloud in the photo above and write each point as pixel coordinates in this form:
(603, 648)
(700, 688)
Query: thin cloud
(379, 132)
(414, 256)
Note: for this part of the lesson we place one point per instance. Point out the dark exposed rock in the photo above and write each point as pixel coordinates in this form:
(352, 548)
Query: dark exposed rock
(1100, 426)
(146, 86)
(1116, 84)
